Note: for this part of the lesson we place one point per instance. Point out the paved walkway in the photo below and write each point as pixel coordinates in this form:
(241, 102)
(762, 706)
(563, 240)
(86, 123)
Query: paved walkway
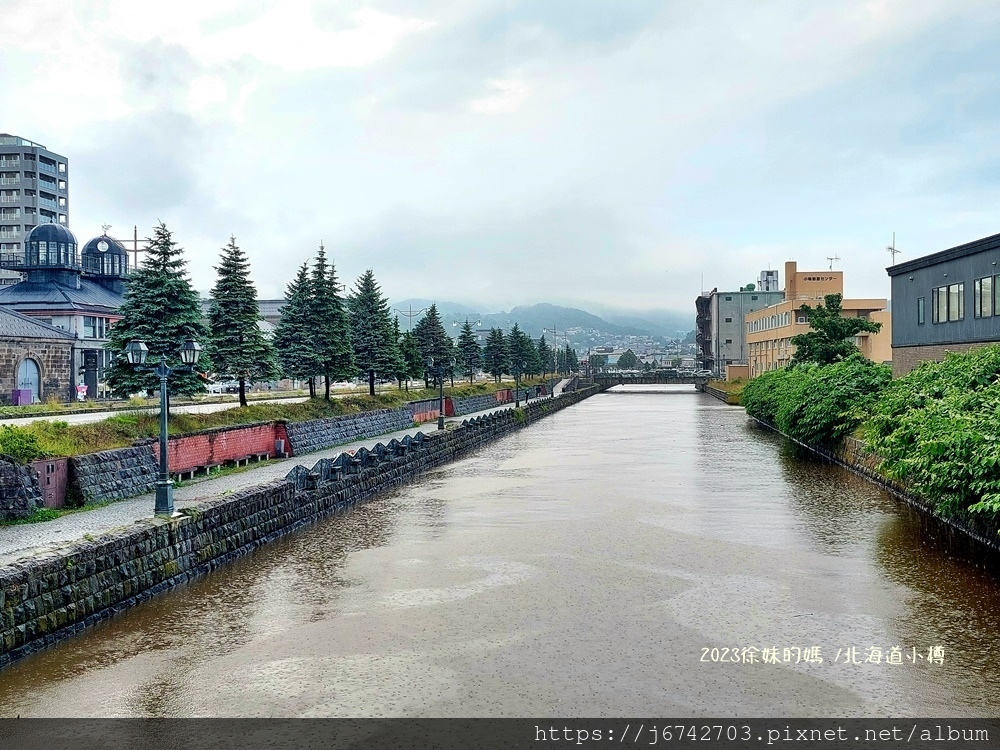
(23, 540)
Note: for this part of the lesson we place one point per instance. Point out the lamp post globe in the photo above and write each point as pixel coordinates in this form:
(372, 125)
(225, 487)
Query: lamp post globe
(190, 352)
(136, 352)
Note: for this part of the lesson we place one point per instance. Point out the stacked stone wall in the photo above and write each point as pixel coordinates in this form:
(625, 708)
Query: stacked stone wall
(319, 434)
(112, 475)
(49, 597)
(20, 494)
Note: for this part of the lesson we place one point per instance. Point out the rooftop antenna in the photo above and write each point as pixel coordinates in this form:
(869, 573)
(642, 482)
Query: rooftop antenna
(105, 227)
(892, 249)
(832, 259)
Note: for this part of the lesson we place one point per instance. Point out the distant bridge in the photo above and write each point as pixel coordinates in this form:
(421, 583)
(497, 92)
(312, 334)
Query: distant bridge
(610, 379)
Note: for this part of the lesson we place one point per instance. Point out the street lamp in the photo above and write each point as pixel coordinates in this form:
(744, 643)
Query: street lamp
(518, 367)
(136, 352)
(438, 373)
(410, 314)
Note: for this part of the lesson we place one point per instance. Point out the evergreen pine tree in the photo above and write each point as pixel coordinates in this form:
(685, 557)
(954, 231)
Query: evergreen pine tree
(413, 360)
(371, 330)
(470, 354)
(294, 336)
(496, 355)
(237, 346)
(330, 324)
(161, 309)
(521, 350)
(432, 339)
(544, 355)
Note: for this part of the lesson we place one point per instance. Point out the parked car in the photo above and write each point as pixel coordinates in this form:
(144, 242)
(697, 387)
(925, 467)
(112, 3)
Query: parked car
(703, 373)
(231, 386)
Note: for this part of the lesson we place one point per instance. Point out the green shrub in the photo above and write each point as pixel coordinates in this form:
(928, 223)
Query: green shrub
(19, 443)
(817, 404)
(937, 430)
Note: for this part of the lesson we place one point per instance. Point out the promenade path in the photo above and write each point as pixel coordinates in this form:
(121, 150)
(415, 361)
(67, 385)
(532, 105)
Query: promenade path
(28, 539)
(96, 416)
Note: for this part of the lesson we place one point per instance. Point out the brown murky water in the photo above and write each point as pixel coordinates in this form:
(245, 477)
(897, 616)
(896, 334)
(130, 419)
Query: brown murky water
(585, 566)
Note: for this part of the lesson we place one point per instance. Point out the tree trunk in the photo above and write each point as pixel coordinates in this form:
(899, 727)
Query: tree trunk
(326, 381)
(312, 387)
(371, 382)
(243, 391)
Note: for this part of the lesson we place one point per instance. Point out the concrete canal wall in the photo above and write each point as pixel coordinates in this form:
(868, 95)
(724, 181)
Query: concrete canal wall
(51, 596)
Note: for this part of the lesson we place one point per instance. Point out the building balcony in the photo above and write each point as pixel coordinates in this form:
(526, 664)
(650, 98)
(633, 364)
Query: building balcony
(10, 199)
(46, 203)
(10, 180)
(10, 163)
(43, 167)
(10, 235)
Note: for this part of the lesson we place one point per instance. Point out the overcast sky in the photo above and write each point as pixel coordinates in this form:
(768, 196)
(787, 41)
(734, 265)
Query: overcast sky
(598, 154)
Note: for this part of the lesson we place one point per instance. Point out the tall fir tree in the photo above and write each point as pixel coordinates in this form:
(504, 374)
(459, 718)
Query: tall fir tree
(161, 309)
(544, 355)
(521, 351)
(237, 346)
(432, 339)
(495, 354)
(375, 349)
(413, 360)
(470, 354)
(294, 336)
(330, 324)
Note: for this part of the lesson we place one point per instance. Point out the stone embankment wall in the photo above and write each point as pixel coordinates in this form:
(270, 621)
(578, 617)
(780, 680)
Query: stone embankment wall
(965, 535)
(19, 492)
(318, 434)
(730, 398)
(112, 475)
(48, 597)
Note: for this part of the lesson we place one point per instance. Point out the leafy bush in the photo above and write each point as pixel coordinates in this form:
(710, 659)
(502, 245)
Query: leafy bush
(817, 404)
(936, 429)
(20, 444)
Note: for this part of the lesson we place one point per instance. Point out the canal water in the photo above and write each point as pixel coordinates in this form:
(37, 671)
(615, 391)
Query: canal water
(636, 554)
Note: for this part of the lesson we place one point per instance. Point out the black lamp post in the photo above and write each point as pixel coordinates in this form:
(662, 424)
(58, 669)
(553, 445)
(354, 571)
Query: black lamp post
(136, 353)
(518, 368)
(438, 372)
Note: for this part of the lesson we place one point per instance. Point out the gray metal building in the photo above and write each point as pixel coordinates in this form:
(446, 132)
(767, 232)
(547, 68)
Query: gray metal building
(34, 189)
(946, 301)
(721, 331)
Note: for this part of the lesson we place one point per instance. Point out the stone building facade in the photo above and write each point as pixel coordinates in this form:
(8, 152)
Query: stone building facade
(34, 357)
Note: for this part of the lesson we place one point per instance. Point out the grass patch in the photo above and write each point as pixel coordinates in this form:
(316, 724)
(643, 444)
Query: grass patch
(40, 515)
(45, 438)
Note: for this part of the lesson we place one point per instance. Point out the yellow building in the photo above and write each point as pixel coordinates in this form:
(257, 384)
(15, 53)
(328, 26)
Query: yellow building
(769, 330)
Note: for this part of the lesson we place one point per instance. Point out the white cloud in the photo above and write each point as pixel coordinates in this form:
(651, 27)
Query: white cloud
(509, 94)
(286, 38)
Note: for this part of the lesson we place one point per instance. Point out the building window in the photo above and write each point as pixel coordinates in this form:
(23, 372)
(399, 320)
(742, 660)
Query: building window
(753, 296)
(920, 311)
(982, 297)
(729, 320)
(729, 299)
(948, 303)
(729, 341)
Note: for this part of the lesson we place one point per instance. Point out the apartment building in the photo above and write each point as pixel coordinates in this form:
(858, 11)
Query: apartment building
(721, 332)
(769, 331)
(34, 189)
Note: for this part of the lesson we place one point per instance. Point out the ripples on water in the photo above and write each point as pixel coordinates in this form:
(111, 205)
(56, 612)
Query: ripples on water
(576, 567)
